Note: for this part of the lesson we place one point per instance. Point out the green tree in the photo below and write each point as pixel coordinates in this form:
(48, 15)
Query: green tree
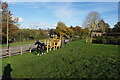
(78, 30)
(101, 26)
(107, 27)
(70, 32)
(86, 32)
(73, 29)
(13, 29)
(62, 28)
(116, 28)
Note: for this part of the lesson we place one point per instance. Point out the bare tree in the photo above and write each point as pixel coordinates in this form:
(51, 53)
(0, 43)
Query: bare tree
(92, 21)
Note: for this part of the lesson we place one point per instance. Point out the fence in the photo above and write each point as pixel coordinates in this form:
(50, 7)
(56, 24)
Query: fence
(17, 50)
(29, 48)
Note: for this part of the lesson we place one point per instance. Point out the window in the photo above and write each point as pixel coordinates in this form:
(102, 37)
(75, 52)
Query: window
(95, 34)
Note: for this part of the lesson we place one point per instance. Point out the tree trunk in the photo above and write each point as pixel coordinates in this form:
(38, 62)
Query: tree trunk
(86, 39)
(91, 37)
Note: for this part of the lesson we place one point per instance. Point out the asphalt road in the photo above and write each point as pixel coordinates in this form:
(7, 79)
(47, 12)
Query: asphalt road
(17, 49)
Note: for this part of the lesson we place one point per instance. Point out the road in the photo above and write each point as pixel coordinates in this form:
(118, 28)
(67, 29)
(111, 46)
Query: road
(17, 49)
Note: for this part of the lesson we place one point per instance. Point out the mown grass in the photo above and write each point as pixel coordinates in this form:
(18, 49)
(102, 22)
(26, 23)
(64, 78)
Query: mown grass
(87, 61)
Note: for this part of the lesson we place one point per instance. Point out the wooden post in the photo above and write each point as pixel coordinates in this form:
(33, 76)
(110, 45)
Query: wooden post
(48, 42)
(9, 52)
(7, 26)
(60, 44)
(53, 36)
(91, 37)
(50, 46)
(54, 46)
(86, 39)
(21, 50)
(47, 46)
(30, 50)
(45, 41)
(91, 40)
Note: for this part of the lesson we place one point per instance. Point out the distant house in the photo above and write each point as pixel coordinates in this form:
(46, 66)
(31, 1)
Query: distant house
(97, 34)
(106, 34)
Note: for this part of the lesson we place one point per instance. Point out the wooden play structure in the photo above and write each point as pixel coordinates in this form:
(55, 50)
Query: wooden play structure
(55, 43)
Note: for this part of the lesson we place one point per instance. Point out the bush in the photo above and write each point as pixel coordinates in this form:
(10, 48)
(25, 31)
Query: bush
(106, 40)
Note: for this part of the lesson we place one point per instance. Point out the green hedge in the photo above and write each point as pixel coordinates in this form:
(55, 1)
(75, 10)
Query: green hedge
(106, 40)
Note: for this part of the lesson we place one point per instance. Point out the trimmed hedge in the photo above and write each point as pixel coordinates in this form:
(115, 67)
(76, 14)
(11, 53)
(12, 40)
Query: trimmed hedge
(106, 40)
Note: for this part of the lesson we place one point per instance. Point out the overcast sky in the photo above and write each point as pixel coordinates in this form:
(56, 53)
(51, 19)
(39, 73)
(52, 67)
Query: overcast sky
(45, 15)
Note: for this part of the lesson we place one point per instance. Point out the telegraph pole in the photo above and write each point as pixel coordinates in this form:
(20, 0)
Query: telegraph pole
(7, 27)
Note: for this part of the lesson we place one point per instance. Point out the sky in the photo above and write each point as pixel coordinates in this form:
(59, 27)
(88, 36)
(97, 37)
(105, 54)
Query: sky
(44, 15)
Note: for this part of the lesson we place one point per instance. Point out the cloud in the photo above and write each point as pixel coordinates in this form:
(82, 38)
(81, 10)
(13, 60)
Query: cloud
(32, 7)
(20, 19)
(74, 14)
(64, 12)
(68, 13)
(40, 24)
(12, 3)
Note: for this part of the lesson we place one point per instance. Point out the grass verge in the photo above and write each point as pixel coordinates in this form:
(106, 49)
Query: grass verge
(86, 61)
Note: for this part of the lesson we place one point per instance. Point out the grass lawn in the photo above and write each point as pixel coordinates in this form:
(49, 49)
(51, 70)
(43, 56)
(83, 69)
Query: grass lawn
(87, 61)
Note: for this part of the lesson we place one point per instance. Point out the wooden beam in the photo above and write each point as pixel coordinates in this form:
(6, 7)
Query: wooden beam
(45, 41)
(54, 46)
(91, 40)
(21, 50)
(7, 26)
(9, 52)
(50, 46)
(47, 46)
(48, 42)
(59, 44)
(30, 50)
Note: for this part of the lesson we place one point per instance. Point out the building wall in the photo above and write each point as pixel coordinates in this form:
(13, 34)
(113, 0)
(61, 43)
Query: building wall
(96, 34)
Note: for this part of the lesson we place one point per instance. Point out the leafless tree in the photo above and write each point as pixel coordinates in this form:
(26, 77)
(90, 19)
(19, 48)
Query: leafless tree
(92, 21)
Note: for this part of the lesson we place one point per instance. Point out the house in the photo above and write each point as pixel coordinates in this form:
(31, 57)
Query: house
(97, 34)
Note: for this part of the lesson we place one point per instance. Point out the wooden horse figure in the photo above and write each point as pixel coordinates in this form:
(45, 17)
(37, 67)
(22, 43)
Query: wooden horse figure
(41, 46)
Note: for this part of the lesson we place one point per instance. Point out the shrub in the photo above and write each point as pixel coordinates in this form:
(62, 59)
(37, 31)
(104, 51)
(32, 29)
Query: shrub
(106, 40)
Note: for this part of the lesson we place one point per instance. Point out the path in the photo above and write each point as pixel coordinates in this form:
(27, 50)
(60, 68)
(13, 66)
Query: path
(15, 50)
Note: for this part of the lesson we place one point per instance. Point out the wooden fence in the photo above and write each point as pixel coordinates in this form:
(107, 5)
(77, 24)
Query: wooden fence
(28, 48)
(16, 51)
(51, 44)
